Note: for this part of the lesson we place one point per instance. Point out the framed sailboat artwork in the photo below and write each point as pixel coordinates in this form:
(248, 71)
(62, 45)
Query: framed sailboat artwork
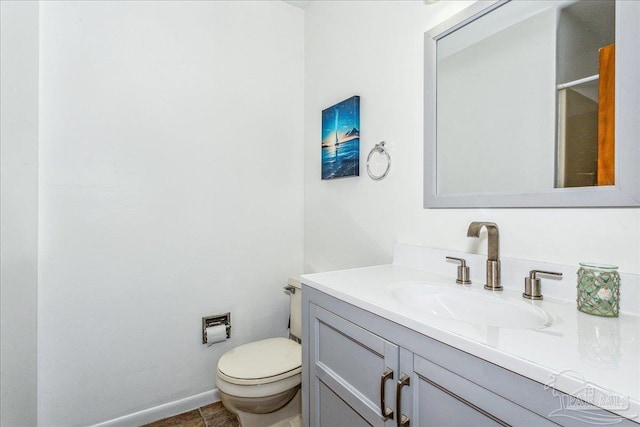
(341, 139)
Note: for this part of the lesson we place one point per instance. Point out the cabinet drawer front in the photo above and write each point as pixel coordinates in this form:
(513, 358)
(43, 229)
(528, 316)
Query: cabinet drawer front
(334, 412)
(462, 402)
(350, 361)
(438, 408)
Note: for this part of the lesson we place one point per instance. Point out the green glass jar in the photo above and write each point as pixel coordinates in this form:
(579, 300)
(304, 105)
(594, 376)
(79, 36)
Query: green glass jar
(598, 289)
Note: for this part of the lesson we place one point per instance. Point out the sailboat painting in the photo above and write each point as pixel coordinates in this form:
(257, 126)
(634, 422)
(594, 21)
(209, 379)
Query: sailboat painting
(341, 139)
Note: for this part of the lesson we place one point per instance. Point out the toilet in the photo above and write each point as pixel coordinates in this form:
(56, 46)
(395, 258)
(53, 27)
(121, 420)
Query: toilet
(260, 381)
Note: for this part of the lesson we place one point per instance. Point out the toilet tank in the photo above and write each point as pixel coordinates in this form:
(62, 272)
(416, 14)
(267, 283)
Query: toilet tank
(296, 307)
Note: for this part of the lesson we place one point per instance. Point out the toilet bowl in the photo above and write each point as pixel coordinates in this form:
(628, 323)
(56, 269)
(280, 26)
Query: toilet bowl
(260, 381)
(260, 377)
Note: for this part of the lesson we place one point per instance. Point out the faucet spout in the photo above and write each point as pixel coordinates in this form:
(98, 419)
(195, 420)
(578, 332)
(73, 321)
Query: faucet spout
(494, 237)
(493, 252)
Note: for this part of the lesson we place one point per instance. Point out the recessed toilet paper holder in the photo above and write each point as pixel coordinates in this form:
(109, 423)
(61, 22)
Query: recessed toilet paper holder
(215, 320)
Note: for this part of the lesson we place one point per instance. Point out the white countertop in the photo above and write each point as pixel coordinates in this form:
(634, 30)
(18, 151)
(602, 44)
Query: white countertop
(594, 358)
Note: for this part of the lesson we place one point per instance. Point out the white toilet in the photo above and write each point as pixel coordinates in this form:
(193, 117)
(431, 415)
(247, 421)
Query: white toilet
(260, 381)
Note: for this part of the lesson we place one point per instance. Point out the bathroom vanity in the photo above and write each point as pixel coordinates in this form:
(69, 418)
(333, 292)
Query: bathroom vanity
(398, 345)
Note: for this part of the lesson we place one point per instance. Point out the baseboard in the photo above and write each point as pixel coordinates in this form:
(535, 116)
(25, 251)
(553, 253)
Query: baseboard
(163, 411)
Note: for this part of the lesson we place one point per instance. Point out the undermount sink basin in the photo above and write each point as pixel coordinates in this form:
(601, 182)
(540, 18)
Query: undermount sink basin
(490, 309)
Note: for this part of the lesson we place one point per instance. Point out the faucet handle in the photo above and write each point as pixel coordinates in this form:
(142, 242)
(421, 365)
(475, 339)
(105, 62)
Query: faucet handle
(533, 286)
(463, 271)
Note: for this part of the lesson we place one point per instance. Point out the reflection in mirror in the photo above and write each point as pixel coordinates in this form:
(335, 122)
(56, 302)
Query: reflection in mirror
(498, 81)
(586, 94)
(495, 103)
(578, 135)
(520, 99)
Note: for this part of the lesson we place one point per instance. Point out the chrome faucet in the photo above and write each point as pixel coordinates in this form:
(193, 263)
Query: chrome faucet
(493, 255)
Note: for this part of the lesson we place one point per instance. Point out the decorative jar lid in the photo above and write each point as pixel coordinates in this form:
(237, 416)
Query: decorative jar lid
(598, 266)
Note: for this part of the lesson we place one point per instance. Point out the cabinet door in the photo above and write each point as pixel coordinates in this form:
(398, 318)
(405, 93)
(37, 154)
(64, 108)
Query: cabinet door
(346, 372)
(442, 398)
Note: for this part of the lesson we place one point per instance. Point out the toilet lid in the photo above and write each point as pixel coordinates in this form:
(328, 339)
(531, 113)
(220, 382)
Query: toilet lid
(266, 360)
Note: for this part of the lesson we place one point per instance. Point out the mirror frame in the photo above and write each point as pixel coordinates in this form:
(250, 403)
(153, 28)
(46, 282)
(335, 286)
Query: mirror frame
(626, 191)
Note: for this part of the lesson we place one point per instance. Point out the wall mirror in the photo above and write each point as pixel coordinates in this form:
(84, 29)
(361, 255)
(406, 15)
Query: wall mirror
(534, 104)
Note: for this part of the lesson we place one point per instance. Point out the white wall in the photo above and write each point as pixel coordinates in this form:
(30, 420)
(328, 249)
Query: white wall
(579, 44)
(170, 189)
(375, 49)
(19, 212)
(150, 218)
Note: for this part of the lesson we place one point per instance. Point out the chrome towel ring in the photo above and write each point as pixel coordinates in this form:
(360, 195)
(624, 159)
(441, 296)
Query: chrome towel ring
(379, 149)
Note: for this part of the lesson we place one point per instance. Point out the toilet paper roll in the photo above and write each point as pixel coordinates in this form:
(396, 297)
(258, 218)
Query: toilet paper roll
(216, 334)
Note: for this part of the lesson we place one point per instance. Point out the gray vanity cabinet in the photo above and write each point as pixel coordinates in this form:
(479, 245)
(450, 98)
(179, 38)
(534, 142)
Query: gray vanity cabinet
(347, 364)
(349, 387)
(356, 364)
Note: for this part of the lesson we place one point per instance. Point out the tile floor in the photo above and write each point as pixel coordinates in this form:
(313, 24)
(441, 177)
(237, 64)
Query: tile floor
(214, 415)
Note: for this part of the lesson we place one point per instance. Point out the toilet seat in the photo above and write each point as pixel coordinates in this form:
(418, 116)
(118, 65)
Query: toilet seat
(261, 362)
